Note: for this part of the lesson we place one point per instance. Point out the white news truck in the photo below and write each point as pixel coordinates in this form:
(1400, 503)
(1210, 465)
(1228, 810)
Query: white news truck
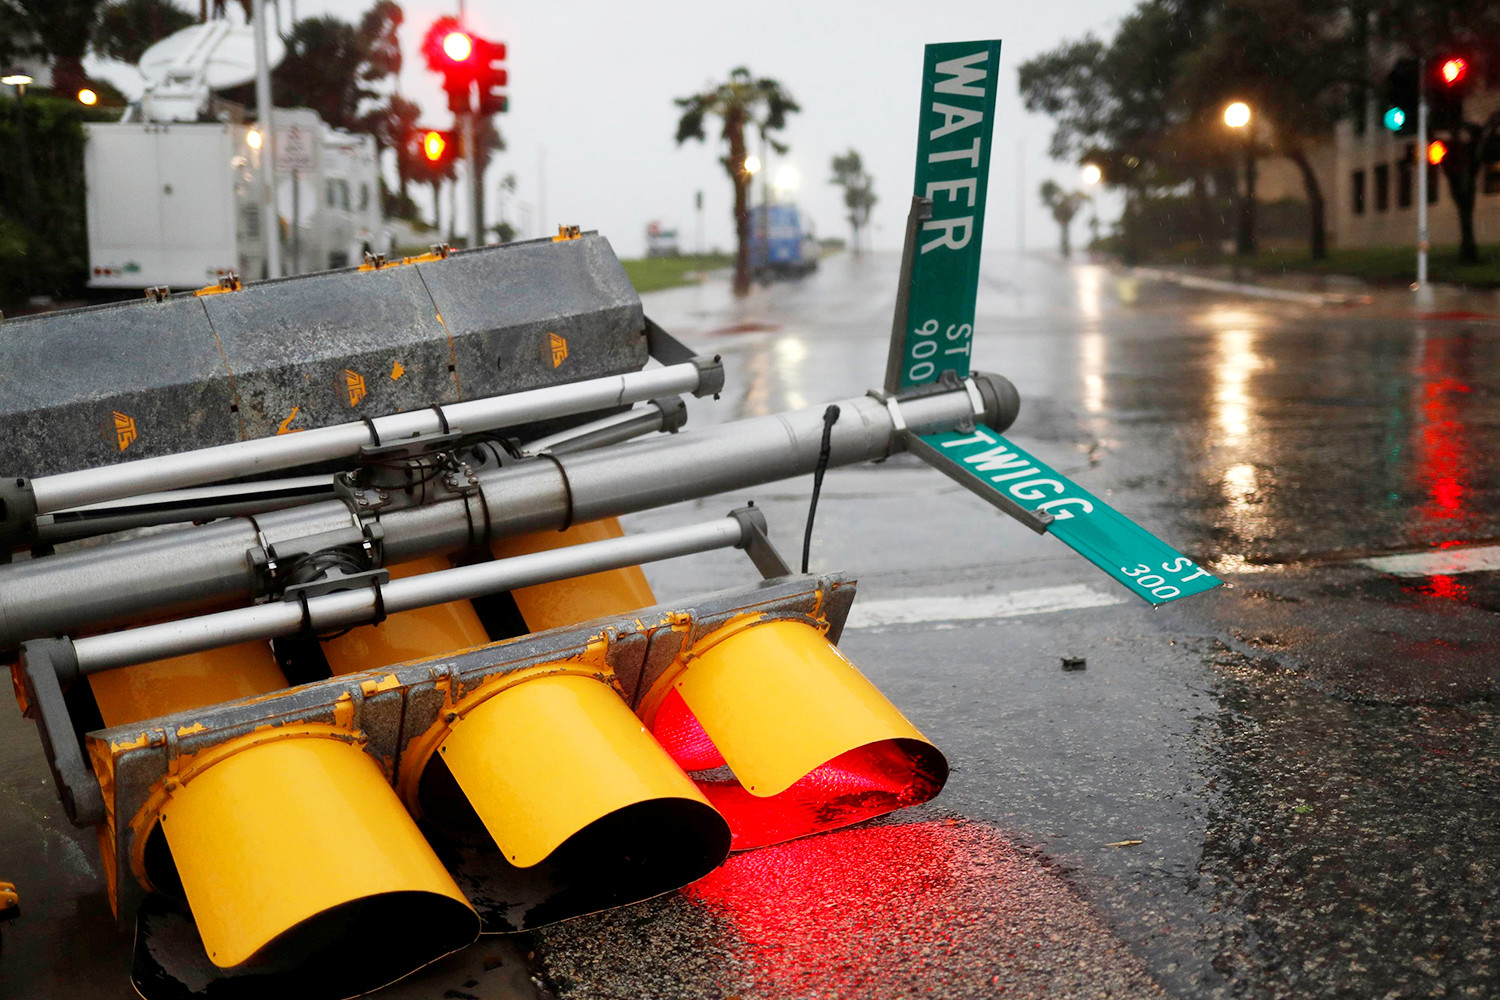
(178, 203)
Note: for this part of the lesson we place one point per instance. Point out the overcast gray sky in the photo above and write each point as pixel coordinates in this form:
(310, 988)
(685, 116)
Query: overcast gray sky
(592, 82)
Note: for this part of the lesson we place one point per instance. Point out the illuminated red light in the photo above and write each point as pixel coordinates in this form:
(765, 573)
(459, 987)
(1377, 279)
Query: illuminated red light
(857, 785)
(458, 46)
(1437, 149)
(1454, 70)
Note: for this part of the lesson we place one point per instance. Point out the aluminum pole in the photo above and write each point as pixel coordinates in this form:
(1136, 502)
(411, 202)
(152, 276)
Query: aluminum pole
(269, 223)
(192, 568)
(359, 606)
(471, 160)
(341, 441)
(1422, 165)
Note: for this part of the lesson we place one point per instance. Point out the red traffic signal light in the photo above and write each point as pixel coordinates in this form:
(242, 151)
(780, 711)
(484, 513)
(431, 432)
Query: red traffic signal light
(1437, 149)
(458, 46)
(434, 146)
(1453, 71)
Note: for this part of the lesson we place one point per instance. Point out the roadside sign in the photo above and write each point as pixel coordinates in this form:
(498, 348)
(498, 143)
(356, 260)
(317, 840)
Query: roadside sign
(1007, 476)
(940, 270)
(296, 149)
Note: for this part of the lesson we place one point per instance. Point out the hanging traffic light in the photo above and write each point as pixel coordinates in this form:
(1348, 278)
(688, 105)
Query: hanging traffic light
(1437, 150)
(490, 77)
(1401, 95)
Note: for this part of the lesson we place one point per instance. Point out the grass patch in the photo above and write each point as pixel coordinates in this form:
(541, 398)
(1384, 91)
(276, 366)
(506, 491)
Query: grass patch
(651, 273)
(1387, 265)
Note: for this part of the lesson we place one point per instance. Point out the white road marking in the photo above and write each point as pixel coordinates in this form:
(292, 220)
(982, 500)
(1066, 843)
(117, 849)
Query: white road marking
(1438, 562)
(1041, 601)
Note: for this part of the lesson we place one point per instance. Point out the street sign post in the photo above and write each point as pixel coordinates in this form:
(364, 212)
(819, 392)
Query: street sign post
(935, 318)
(933, 334)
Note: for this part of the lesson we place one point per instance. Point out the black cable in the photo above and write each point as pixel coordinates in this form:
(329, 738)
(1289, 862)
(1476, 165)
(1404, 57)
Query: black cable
(830, 417)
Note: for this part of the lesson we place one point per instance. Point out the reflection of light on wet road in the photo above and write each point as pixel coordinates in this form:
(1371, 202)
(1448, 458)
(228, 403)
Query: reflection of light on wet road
(1091, 351)
(790, 353)
(942, 908)
(1235, 362)
(1441, 446)
(1239, 485)
(1090, 289)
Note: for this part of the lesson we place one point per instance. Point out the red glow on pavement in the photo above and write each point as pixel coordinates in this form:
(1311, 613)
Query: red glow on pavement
(857, 785)
(1448, 587)
(851, 914)
(1441, 448)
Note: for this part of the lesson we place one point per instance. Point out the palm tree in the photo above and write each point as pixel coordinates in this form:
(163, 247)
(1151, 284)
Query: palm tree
(741, 100)
(859, 191)
(1064, 205)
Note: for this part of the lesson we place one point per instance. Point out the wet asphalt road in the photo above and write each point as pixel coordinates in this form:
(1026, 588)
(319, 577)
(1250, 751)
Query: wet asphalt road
(1307, 757)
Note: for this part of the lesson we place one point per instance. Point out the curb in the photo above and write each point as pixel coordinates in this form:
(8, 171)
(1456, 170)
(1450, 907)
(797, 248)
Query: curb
(1254, 291)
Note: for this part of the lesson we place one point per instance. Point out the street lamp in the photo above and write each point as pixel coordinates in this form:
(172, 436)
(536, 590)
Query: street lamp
(787, 179)
(752, 164)
(1237, 116)
(1092, 175)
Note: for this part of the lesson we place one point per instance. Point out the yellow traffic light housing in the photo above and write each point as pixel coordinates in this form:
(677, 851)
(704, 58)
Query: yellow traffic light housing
(812, 743)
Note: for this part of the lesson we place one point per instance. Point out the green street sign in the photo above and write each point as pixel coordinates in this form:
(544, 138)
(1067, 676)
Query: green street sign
(935, 314)
(1009, 477)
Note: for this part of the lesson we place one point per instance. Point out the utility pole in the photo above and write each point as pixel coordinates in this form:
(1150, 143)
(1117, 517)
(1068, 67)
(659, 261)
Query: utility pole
(269, 224)
(1422, 167)
(471, 160)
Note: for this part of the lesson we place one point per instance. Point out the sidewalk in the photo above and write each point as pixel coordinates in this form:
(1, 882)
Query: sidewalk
(1436, 301)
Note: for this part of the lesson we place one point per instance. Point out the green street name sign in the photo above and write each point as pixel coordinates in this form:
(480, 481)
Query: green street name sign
(1007, 475)
(959, 84)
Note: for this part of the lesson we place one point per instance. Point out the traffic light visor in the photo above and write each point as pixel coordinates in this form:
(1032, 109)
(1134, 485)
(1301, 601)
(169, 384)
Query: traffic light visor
(586, 809)
(295, 855)
(812, 743)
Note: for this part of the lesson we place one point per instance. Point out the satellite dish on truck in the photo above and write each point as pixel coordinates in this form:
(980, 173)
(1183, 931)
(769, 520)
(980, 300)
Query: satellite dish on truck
(182, 68)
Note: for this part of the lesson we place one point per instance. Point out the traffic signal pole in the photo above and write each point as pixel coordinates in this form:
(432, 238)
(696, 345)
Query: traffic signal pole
(194, 567)
(1422, 167)
(471, 159)
(269, 223)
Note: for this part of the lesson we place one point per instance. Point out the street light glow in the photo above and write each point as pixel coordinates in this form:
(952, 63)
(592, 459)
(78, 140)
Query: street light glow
(87, 96)
(16, 79)
(1092, 174)
(787, 178)
(252, 138)
(1237, 115)
(752, 164)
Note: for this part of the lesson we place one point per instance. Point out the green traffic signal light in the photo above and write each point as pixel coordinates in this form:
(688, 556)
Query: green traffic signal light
(1395, 119)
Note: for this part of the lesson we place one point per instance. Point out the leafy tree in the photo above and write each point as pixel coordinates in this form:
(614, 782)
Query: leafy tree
(394, 126)
(58, 28)
(859, 191)
(1064, 206)
(1298, 65)
(127, 28)
(740, 101)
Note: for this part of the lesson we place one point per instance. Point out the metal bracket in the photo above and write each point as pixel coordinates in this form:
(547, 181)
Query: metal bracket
(667, 349)
(158, 293)
(44, 664)
(17, 515)
(757, 543)
(287, 564)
